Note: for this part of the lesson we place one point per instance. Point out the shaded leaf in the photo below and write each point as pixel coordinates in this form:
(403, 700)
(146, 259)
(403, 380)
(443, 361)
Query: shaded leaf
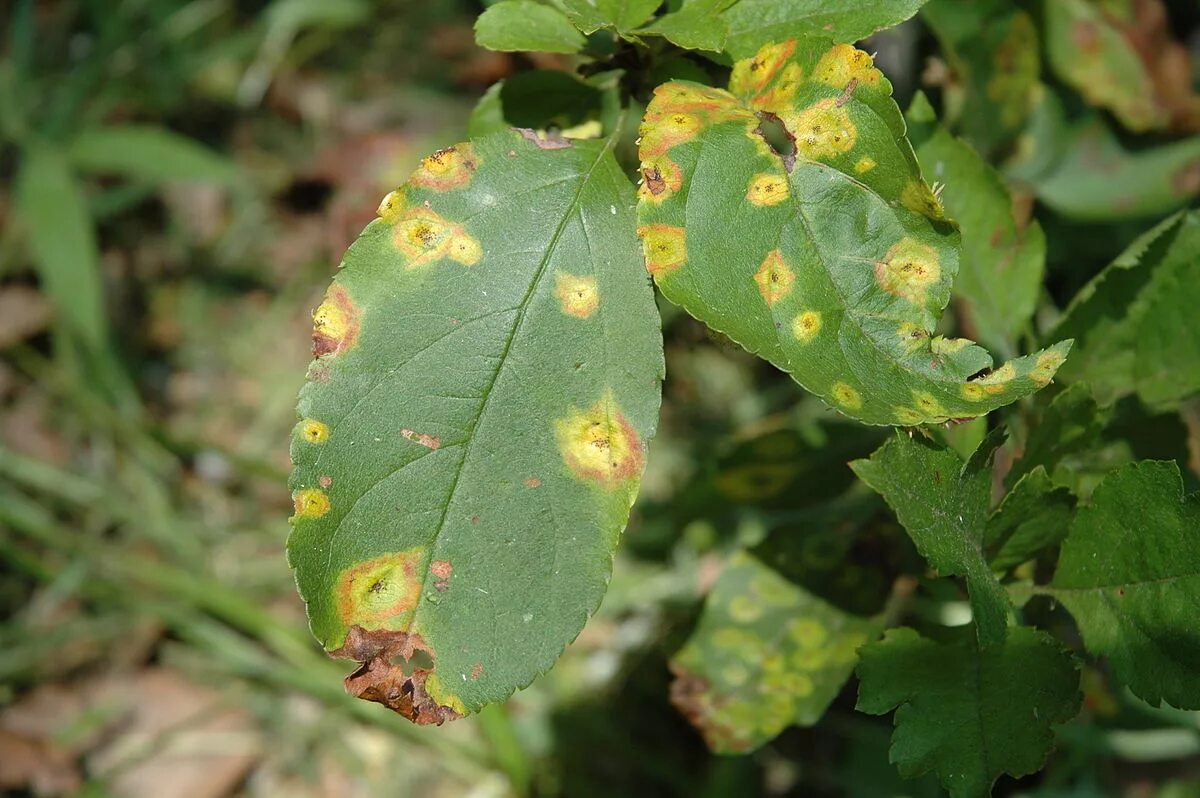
(943, 504)
(1034, 516)
(765, 655)
(1070, 424)
(1003, 257)
(833, 264)
(622, 16)
(146, 152)
(1132, 320)
(966, 714)
(474, 428)
(516, 25)
(754, 23)
(538, 99)
(1129, 573)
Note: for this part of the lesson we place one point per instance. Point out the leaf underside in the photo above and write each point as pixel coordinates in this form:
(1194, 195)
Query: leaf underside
(833, 262)
(474, 427)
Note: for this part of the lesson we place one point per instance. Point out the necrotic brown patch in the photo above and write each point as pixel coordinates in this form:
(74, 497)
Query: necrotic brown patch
(336, 323)
(390, 672)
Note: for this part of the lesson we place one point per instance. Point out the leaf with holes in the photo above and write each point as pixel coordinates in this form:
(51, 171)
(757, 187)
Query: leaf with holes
(832, 262)
(475, 424)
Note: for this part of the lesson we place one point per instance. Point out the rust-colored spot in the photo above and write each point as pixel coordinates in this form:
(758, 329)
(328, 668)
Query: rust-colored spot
(475, 520)
(806, 325)
(823, 130)
(664, 246)
(661, 178)
(864, 164)
(314, 431)
(782, 91)
(774, 278)
(661, 132)
(846, 396)
(578, 296)
(767, 189)
(448, 168)
(428, 441)
(382, 592)
(844, 64)
(381, 679)
(1047, 365)
(908, 270)
(423, 237)
(442, 569)
(325, 481)
(997, 381)
(336, 323)
(533, 482)
(600, 444)
(476, 671)
(751, 75)
(310, 503)
(544, 140)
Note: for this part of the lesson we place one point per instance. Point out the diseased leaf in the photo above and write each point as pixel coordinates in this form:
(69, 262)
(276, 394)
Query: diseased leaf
(1034, 516)
(146, 152)
(516, 25)
(992, 47)
(833, 264)
(966, 714)
(1122, 58)
(1133, 320)
(1097, 180)
(1003, 257)
(754, 23)
(474, 428)
(697, 25)
(1129, 573)
(765, 655)
(943, 504)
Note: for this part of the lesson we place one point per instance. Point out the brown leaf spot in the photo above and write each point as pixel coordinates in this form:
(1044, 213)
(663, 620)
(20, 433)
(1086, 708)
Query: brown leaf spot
(545, 141)
(336, 323)
(428, 441)
(382, 679)
(476, 670)
(441, 569)
(325, 481)
(533, 482)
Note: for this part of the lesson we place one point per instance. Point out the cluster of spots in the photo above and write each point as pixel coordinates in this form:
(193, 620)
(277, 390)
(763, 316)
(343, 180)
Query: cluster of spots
(442, 570)
(381, 592)
(846, 396)
(599, 444)
(774, 278)
(336, 323)
(680, 111)
(806, 325)
(661, 178)
(446, 169)
(1046, 367)
(310, 503)
(767, 188)
(577, 296)
(428, 441)
(918, 197)
(664, 246)
(908, 270)
(821, 131)
(844, 65)
(314, 431)
(864, 164)
(424, 237)
(416, 694)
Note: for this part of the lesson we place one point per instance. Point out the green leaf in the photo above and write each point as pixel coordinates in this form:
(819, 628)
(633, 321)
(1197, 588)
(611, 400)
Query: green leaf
(1130, 319)
(966, 714)
(1003, 258)
(623, 16)
(1129, 572)
(1088, 50)
(697, 25)
(992, 46)
(474, 428)
(516, 25)
(1071, 424)
(833, 264)
(1033, 516)
(754, 23)
(63, 244)
(1098, 180)
(538, 99)
(149, 153)
(943, 504)
(764, 656)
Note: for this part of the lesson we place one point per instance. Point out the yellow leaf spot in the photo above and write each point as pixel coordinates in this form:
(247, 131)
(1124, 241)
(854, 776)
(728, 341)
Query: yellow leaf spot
(864, 164)
(907, 417)
(806, 326)
(665, 247)
(382, 592)
(336, 323)
(782, 91)
(600, 444)
(448, 168)
(973, 392)
(662, 133)
(823, 130)
(744, 610)
(310, 503)
(908, 270)
(314, 431)
(846, 396)
(661, 178)
(392, 206)
(1047, 365)
(767, 189)
(810, 659)
(807, 633)
(929, 405)
(578, 296)
(844, 63)
(998, 380)
(912, 337)
(465, 249)
(948, 346)
(919, 198)
(774, 278)
(424, 236)
(751, 75)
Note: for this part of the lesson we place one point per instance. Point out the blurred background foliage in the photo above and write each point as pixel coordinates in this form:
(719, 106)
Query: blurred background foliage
(178, 180)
